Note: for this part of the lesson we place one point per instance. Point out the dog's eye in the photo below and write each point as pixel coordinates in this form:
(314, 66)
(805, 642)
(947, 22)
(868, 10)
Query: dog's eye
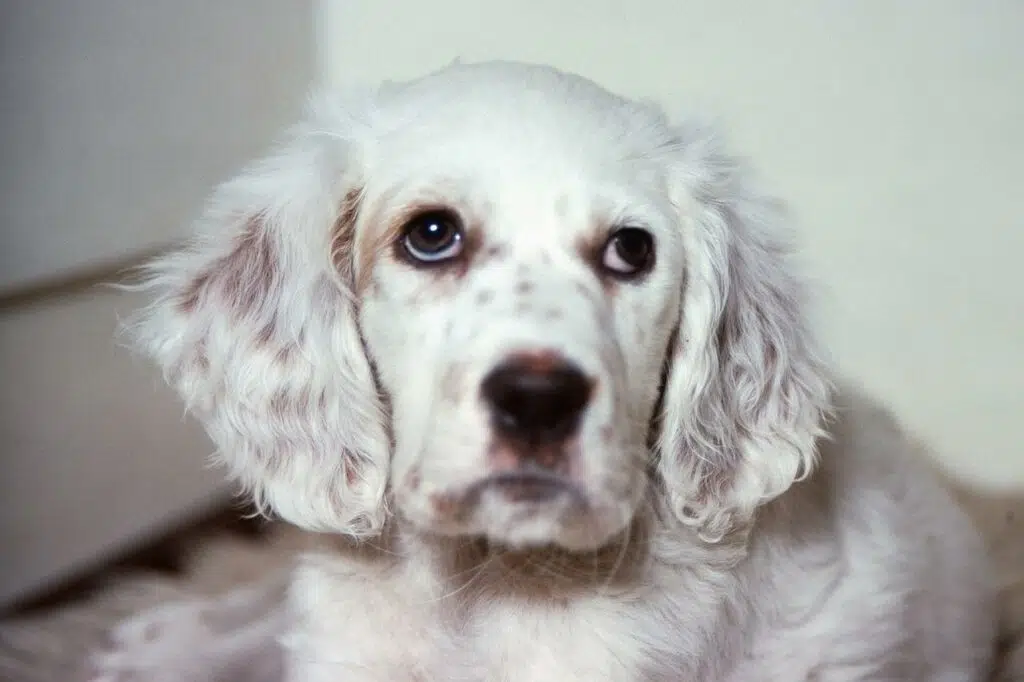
(629, 252)
(433, 236)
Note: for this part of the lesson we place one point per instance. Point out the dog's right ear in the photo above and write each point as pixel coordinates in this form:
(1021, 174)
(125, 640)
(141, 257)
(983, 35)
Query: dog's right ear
(254, 323)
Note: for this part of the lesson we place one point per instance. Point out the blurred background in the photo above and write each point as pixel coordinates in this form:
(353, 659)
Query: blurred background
(892, 128)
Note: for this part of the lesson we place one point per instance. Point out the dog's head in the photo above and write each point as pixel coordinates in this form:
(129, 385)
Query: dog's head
(496, 301)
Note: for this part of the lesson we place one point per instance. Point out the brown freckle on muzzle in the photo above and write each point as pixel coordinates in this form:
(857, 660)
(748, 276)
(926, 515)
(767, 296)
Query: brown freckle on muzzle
(413, 480)
(584, 292)
(484, 296)
(444, 504)
(492, 252)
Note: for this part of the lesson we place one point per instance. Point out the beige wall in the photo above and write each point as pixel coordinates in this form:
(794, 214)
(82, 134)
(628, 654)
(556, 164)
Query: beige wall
(116, 119)
(892, 127)
(96, 452)
(112, 112)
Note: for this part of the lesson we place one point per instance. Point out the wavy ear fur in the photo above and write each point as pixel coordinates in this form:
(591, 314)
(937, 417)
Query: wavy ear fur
(254, 325)
(745, 395)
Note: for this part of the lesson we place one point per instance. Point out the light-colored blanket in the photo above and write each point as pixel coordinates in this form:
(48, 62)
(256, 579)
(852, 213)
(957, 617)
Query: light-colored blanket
(232, 589)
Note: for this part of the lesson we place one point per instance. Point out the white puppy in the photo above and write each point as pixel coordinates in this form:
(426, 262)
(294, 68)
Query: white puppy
(539, 359)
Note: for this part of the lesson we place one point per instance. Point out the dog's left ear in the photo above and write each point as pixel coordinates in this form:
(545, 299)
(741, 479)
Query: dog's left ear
(745, 395)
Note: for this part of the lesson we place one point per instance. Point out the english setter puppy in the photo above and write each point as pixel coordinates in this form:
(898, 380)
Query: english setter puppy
(538, 359)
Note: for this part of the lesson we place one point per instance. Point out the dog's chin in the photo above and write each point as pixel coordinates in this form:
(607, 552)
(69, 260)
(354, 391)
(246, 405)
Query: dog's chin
(523, 513)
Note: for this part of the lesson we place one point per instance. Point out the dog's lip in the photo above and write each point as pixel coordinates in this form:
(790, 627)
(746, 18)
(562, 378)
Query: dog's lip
(526, 486)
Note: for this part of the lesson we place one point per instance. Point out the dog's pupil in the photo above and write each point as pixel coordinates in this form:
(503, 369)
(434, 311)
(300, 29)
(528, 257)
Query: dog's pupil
(432, 234)
(633, 247)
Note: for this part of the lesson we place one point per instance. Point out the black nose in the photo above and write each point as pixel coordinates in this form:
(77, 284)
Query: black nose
(536, 398)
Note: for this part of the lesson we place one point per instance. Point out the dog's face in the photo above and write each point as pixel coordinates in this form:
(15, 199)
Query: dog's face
(517, 299)
(462, 300)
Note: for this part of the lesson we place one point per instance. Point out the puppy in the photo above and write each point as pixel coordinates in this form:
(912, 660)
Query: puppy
(538, 360)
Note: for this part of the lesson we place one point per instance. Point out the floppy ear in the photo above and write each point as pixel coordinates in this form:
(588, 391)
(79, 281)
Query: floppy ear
(745, 395)
(254, 324)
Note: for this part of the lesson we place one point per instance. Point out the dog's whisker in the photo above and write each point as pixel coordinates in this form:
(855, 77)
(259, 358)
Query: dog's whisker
(623, 547)
(474, 573)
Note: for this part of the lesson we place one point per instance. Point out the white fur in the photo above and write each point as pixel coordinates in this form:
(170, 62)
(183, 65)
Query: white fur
(770, 530)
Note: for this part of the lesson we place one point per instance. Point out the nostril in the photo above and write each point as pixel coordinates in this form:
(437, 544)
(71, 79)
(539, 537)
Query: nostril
(540, 404)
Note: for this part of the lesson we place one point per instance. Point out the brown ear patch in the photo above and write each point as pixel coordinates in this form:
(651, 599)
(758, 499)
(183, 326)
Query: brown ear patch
(243, 280)
(193, 293)
(343, 239)
(194, 362)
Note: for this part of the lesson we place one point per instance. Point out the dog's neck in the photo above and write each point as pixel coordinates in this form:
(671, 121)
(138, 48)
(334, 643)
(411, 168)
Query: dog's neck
(477, 568)
(486, 569)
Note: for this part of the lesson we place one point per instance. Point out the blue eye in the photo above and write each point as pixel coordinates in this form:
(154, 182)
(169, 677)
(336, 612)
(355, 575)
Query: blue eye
(433, 236)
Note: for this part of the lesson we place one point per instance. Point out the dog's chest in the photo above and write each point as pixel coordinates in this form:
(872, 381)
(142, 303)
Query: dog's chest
(368, 628)
(499, 642)
(544, 642)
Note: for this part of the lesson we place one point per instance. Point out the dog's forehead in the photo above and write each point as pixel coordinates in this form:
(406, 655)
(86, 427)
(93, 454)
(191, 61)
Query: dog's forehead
(513, 125)
(525, 156)
(510, 96)
(507, 149)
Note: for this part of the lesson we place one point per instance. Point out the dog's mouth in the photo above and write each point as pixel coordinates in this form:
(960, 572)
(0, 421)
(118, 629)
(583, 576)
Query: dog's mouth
(531, 508)
(527, 487)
